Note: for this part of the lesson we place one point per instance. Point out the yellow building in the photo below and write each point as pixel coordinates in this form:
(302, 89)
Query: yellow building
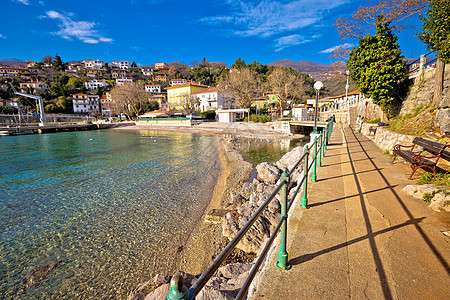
(179, 95)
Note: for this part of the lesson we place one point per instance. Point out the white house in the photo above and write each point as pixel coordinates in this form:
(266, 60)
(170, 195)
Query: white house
(179, 81)
(213, 99)
(123, 81)
(153, 88)
(147, 70)
(300, 112)
(120, 64)
(33, 86)
(86, 104)
(95, 84)
(93, 64)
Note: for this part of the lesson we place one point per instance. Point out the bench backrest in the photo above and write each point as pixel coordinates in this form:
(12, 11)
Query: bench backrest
(432, 147)
(446, 154)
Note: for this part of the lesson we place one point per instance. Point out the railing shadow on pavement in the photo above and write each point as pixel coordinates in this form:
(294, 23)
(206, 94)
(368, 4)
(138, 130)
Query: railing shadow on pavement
(424, 236)
(307, 257)
(319, 145)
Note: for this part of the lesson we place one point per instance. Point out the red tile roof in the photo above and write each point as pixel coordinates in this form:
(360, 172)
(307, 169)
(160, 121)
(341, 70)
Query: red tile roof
(208, 90)
(187, 84)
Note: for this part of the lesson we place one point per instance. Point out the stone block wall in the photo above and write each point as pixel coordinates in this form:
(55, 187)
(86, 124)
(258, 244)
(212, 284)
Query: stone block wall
(386, 139)
(422, 91)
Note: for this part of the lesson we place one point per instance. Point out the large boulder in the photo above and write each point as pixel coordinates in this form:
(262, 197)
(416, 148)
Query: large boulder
(290, 159)
(268, 173)
(443, 117)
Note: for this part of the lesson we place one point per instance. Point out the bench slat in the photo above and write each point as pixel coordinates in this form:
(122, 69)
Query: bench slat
(429, 146)
(445, 155)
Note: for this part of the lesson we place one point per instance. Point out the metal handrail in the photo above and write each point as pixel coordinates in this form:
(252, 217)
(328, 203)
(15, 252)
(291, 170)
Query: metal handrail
(200, 283)
(179, 291)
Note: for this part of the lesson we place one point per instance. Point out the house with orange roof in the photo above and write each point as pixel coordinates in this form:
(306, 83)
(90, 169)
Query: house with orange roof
(179, 81)
(161, 66)
(93, 64)
(212, 99)
(33, 86)
(180, 96)
(11, 71)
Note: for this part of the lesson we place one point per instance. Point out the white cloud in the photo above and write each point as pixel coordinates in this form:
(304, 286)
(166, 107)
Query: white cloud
(345, 46)
(290, 40)
(82, 30)
(26, 2)
(266, 18)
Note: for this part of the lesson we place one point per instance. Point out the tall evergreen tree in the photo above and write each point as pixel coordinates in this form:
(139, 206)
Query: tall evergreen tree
(436, 35)
(377, 67)
(239, 64)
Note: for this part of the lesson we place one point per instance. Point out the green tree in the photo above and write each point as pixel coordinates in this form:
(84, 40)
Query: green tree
(378, 68)
(65, 104)
(58, 63)
(133, 66)
(239, 64)
(436, 35)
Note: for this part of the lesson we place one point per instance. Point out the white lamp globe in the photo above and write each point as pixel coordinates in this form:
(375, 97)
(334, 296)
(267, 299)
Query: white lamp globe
(318, 85)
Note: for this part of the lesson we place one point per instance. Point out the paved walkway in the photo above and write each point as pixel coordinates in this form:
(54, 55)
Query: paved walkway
(362, 238)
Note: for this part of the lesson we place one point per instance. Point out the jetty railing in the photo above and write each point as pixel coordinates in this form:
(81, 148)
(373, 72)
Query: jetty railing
(318, 146)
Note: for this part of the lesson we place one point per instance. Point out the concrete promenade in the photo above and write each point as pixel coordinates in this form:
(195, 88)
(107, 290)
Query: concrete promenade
(361, 238)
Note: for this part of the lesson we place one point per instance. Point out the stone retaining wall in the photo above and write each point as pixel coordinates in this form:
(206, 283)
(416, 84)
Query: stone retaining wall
(386, 139)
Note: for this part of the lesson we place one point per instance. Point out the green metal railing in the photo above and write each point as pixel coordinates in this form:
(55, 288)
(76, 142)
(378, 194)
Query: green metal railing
(179, 291)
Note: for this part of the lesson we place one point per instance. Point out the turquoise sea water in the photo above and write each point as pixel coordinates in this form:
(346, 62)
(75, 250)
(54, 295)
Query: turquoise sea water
(111, 206)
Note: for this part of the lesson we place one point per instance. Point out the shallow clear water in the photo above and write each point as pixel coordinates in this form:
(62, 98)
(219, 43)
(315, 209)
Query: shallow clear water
(112, 206)
(261, 150)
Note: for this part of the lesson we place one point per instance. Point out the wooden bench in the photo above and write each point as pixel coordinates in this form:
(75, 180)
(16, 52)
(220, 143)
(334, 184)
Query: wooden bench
(373, 129)
(416, 159)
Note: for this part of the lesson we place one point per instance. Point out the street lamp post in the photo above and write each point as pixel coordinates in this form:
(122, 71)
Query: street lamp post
(346, 99)
(317, 86)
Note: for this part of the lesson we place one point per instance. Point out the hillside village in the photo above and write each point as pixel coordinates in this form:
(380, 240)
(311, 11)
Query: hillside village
(84, 87)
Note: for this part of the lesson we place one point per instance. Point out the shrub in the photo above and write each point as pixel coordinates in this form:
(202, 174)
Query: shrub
(427, 197)
(438, 179)
(209, 114)
(374, 121)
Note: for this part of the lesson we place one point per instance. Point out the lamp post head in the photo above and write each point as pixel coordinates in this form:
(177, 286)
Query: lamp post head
(347, 72)
(318, 85)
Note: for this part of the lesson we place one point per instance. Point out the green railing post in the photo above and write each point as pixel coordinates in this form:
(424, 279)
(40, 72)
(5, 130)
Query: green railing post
(325, 139)
(282, 263)
(177, 289)
(321, 139)
(314, 175)
(331, 129)
(305, 182)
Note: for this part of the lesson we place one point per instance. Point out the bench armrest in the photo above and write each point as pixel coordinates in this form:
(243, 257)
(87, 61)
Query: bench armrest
(398, 147)
(418, 158)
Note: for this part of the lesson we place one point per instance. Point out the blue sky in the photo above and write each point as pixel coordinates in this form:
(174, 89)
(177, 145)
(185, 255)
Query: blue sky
(149, 31)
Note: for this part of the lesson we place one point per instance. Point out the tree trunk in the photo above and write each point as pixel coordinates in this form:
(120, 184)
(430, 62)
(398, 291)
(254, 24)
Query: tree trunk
(438, 81)
(384, 117)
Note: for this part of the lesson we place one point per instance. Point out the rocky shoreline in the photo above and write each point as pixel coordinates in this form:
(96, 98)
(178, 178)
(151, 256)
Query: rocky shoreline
(234, 202)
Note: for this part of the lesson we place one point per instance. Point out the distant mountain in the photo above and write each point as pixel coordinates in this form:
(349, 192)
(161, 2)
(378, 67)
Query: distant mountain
(304, 66)
(14, 62)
